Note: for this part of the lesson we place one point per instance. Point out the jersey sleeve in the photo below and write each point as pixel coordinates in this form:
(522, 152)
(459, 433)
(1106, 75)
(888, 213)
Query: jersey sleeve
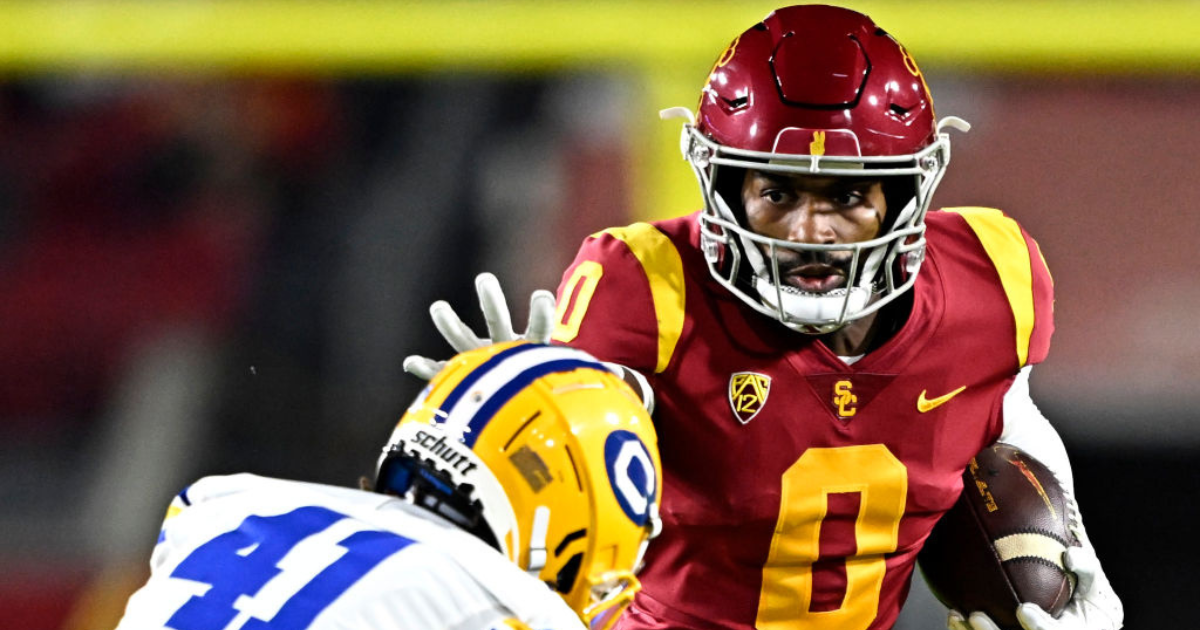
(1024, 276)
(622, 299)
(161, 550)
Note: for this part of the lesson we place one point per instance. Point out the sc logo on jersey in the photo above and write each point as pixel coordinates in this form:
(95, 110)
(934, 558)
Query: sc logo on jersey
(631, 474)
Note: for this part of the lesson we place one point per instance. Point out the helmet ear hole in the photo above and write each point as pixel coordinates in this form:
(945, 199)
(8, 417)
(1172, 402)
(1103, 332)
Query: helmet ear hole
(729, 186)
(395, 474)
(898, 191)
(565, 580)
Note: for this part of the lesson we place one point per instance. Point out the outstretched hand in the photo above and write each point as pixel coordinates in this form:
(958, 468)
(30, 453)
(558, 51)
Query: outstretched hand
(497, 317)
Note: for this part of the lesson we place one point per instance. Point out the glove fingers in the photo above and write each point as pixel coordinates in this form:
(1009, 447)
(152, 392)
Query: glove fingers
(495, 308)
(453, 330)
(955, 621)
(1093, 595)
(1032, 617)
(1084, 565)
(541, 317)
(980, 621)
(422, 367)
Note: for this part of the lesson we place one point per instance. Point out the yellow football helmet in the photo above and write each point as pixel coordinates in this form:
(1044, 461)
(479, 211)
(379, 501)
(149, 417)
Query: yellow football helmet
(545, 454)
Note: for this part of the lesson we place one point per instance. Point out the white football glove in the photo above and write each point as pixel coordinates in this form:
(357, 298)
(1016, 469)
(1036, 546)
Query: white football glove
(499, 324)
(977, 621)
(1093, 605)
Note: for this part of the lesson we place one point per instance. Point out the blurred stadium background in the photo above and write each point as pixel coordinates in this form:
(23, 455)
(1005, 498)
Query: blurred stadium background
(221, 224)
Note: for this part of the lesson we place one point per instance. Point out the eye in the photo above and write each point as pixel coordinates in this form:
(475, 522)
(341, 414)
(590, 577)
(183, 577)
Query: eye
(775, 195)
(849, 198)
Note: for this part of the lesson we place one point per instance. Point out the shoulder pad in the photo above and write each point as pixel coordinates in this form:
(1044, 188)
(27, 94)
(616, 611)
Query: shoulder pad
(662, 269)
(1023, 275)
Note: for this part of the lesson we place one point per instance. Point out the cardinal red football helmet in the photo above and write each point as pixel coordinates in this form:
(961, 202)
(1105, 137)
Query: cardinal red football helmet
(816, 90)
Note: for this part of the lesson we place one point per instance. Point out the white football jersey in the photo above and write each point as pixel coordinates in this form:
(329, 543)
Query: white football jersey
(244, 552)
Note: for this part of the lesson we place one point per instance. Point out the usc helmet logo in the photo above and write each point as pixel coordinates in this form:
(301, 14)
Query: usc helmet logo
(725, 58)
(817, 146)
(728, 54)
(911, 65)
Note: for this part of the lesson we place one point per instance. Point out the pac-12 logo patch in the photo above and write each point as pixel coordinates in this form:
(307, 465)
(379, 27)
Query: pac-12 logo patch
(748, 393)
(631, 474)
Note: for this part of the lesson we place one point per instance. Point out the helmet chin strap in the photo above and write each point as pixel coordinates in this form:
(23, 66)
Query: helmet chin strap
(814, 307)
(831, 307)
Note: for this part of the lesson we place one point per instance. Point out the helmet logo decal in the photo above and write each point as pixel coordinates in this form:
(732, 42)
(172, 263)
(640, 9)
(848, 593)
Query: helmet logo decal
(748, 393)
(909, 62)
(805, 141)
(911, 65)
(844, 399)
(817, 146)
(725, 58)
(434, 443)
(728, 54)
(631, 474)
(532, 467)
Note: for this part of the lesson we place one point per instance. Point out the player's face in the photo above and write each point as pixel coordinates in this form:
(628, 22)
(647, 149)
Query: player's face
(813, 210)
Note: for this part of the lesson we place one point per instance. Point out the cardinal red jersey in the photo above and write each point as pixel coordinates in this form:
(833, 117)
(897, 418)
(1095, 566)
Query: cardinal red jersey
(798, 489)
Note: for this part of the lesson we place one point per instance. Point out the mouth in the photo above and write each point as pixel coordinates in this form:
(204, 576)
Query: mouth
(814, 278)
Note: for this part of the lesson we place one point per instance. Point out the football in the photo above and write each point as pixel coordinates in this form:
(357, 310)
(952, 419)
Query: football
(1002, 542)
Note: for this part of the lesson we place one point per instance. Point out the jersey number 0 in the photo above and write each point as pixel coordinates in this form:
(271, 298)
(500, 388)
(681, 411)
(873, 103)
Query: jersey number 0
(789, 589)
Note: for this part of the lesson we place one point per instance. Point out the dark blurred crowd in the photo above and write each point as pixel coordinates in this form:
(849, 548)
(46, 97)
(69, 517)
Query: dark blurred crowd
(205, 275)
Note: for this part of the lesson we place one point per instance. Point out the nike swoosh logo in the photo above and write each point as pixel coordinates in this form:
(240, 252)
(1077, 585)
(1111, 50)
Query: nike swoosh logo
(929, 404)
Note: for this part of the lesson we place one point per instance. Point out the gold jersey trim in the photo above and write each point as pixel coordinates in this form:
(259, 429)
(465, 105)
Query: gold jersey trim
(664, 271)
(1005, 245)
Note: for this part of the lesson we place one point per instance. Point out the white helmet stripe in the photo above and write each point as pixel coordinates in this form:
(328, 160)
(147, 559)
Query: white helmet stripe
(474, 401)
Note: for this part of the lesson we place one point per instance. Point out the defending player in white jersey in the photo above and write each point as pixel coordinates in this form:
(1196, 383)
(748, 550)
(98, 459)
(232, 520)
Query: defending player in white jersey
(521, 466)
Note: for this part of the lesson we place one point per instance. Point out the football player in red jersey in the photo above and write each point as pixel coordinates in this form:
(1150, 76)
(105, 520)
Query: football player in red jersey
(823, 355)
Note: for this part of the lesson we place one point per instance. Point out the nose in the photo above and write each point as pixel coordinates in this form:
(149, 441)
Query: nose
(812, 221)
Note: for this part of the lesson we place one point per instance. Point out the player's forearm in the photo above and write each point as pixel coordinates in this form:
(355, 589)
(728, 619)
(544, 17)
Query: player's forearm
(1027, 429)
(637, 381)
